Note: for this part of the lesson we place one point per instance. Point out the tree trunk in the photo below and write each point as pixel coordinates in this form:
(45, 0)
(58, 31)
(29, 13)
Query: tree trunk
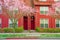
(14, 23)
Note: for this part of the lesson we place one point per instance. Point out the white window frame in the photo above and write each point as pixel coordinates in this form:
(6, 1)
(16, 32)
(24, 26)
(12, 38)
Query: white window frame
(43, 0)
(11, 23)
(44, 22)
(57, 23)
(44, 9)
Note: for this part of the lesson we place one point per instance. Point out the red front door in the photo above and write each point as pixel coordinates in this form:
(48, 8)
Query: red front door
(32, 22)
(25, 22)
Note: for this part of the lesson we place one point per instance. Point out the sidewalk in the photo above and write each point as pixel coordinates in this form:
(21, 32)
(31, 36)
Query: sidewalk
(29, 39)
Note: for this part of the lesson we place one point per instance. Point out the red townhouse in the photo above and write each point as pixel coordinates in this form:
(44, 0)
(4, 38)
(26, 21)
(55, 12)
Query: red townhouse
(40, 19)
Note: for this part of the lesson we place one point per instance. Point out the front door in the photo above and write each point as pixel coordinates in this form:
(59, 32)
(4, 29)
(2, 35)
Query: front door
(25, 20)
(32, 22)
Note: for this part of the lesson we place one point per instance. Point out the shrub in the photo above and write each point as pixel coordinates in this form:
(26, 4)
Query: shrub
(48, 30)
(19, 29)
(1, 31)
(37, 29)
(57, 30)
(51, 30)
(45, 30)
(8, 30)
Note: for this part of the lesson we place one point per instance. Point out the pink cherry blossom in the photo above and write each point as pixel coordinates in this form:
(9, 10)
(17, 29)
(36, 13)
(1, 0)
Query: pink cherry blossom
(57, 4)
(12, 4)
(53, 8)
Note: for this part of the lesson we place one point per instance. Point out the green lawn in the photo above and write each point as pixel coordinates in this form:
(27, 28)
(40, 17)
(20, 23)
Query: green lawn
(29, 35)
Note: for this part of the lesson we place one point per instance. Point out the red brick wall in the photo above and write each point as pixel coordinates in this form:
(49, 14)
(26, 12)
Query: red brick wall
(37, 16)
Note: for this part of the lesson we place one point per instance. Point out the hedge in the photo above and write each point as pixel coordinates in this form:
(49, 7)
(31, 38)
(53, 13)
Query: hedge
(48, 30)
(11, 30)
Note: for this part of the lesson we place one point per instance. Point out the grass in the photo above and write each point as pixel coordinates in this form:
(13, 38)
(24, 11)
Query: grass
(29, 35)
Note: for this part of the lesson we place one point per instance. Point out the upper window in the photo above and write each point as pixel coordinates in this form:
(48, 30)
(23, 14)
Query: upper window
(0, 22)
(44, 10)
(57, 9)
(11, 24)
(42, 0)
(56, 0)
(57, 23)
(44, 23)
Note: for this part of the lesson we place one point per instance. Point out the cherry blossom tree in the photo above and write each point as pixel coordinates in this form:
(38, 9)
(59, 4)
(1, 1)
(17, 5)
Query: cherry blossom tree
(56, 12)
(16, 9)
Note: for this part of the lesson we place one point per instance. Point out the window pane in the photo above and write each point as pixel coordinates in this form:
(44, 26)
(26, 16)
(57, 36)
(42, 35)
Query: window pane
(42, 21)
(57, 21)
(56, 0)
(0, 9)
(46, 21)
(46, 25)
(10, 21)
(44, 10)
(11, 24)
(57, 25)
(0, 23)
(42, 25)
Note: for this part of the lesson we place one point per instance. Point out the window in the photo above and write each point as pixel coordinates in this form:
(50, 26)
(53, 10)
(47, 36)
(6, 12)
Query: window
(57, 23)
(44, 23)
(42, 0)
(0, 23)
(44, 10)
(57, 9)
(0, 9)
(11, 24)
(56, 0)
